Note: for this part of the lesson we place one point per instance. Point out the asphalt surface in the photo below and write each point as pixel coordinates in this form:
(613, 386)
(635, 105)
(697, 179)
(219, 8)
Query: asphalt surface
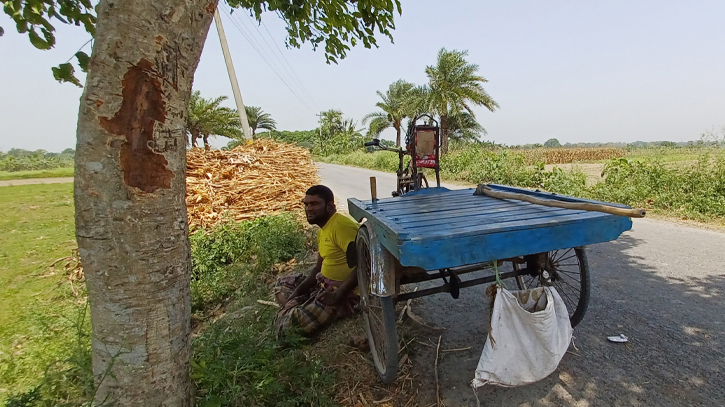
(660, 284)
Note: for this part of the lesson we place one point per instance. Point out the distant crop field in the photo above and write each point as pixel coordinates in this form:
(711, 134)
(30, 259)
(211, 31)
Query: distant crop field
(564, 155)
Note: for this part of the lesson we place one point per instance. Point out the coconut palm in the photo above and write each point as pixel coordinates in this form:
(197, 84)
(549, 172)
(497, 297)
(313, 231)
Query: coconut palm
(206, 118)
(454, 86)
(462, 126)
(396, 106)
(258, 119)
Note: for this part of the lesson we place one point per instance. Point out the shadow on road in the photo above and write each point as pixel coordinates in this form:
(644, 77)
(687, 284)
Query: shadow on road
(674, 357)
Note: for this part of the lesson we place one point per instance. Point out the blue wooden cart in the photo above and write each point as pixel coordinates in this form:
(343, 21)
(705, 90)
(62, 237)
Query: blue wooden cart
(443, 234)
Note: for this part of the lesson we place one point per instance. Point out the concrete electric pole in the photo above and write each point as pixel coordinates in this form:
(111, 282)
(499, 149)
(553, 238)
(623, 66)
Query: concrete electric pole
(232, 76)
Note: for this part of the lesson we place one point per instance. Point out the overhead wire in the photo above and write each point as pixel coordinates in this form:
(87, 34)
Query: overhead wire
(290, 71)
(286, 63)
(238, 24)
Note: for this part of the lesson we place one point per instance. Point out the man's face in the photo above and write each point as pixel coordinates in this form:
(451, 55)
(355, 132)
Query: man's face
(316, 210)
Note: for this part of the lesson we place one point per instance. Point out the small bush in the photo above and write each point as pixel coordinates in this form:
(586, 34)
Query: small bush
(222, 256)
(696, 192)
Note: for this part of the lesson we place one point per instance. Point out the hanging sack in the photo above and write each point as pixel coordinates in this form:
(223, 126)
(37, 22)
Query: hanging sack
(529, 334)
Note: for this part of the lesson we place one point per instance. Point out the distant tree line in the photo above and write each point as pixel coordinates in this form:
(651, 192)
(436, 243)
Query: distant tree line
(17, 159)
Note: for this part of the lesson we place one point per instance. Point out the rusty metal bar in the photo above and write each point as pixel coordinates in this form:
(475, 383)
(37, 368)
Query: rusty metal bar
(469, 283)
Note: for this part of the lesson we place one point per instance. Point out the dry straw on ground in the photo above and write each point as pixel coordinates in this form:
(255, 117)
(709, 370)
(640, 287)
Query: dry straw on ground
(259, 178)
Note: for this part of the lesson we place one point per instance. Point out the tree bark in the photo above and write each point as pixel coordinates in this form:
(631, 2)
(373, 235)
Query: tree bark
(444, 134)
(206, 142)
(397, 129)
(131, 222)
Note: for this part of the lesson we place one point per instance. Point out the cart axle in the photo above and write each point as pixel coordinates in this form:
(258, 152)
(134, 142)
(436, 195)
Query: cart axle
(446, 288)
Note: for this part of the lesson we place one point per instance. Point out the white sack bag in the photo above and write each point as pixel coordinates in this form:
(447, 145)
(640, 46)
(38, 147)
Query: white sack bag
(531, 333)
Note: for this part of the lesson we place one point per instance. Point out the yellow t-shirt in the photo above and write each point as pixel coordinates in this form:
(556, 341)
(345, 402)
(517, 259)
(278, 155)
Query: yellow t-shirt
(332, 240)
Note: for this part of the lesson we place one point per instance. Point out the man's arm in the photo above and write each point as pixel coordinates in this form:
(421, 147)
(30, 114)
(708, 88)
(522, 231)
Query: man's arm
(309, 281)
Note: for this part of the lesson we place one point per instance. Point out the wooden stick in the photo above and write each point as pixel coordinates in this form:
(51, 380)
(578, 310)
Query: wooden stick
(438, 386)
(484, 189)
(456, 350)
(374, 188)
(270, 303)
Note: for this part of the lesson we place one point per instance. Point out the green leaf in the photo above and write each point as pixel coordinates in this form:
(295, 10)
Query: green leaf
(66, 73)
(37, 42)
(21, 25)
(83, 60)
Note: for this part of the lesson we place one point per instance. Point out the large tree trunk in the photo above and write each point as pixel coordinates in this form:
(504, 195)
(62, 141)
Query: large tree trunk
(444, 134)
(397, 129)
(130, 185)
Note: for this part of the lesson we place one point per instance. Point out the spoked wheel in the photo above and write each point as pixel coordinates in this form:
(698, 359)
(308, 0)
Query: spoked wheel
(567, 270)
(378, 314)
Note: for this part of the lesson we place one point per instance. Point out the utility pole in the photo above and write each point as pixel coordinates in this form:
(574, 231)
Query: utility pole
(232, 76)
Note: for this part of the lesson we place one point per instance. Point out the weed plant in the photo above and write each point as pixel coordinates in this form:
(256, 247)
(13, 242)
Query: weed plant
(225, 257)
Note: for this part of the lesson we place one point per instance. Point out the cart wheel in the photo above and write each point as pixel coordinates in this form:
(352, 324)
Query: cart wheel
(567, 270)
(378, 314)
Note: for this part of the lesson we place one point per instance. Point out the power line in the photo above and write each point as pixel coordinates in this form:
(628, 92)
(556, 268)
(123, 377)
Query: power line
(252, 42)
(291, 70)
(271, 51)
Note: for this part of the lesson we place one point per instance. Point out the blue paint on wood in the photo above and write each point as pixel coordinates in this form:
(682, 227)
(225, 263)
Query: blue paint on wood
(446, 228)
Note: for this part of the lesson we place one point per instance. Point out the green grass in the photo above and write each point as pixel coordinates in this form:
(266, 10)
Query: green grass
(54, 173)
(37, 317)
(45, 357)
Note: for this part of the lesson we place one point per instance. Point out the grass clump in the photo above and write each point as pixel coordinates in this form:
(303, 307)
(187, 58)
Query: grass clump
(236, 359)
(238, 362)
(233, 254)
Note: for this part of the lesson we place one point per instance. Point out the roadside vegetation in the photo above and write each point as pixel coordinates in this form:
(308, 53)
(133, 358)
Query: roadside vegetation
(45, 357)
(19, 160)
(687, 189)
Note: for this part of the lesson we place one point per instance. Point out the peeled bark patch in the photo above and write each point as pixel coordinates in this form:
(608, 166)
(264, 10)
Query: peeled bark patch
(143, 105)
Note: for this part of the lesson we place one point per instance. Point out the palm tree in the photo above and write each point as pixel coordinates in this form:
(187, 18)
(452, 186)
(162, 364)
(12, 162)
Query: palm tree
(453, 86)
(258, 119)
(396, 106)
(206, 118)
(462, 126)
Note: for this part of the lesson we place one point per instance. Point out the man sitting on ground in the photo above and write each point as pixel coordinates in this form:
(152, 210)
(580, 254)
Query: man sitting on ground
(328, 292)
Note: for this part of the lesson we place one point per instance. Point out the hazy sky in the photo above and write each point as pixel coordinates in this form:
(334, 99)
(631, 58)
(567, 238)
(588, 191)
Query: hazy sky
(577, 71)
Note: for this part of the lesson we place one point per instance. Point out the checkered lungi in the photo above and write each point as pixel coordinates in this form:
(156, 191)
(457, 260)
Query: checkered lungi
(305, 313)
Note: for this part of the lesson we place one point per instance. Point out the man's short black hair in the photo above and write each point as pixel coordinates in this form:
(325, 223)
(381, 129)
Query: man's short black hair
(323, 192)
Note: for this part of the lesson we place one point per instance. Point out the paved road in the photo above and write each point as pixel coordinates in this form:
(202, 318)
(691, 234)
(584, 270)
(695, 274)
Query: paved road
(661, 284)
(29, 181)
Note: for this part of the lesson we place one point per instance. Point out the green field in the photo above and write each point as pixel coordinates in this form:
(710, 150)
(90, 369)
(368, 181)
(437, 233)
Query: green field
(38, 311)
(54, 173)
(684, 183)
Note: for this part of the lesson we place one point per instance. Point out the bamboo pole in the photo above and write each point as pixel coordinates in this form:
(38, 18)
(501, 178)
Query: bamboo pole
(484, 189)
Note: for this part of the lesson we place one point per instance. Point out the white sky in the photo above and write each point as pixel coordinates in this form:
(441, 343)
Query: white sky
(578, 71)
